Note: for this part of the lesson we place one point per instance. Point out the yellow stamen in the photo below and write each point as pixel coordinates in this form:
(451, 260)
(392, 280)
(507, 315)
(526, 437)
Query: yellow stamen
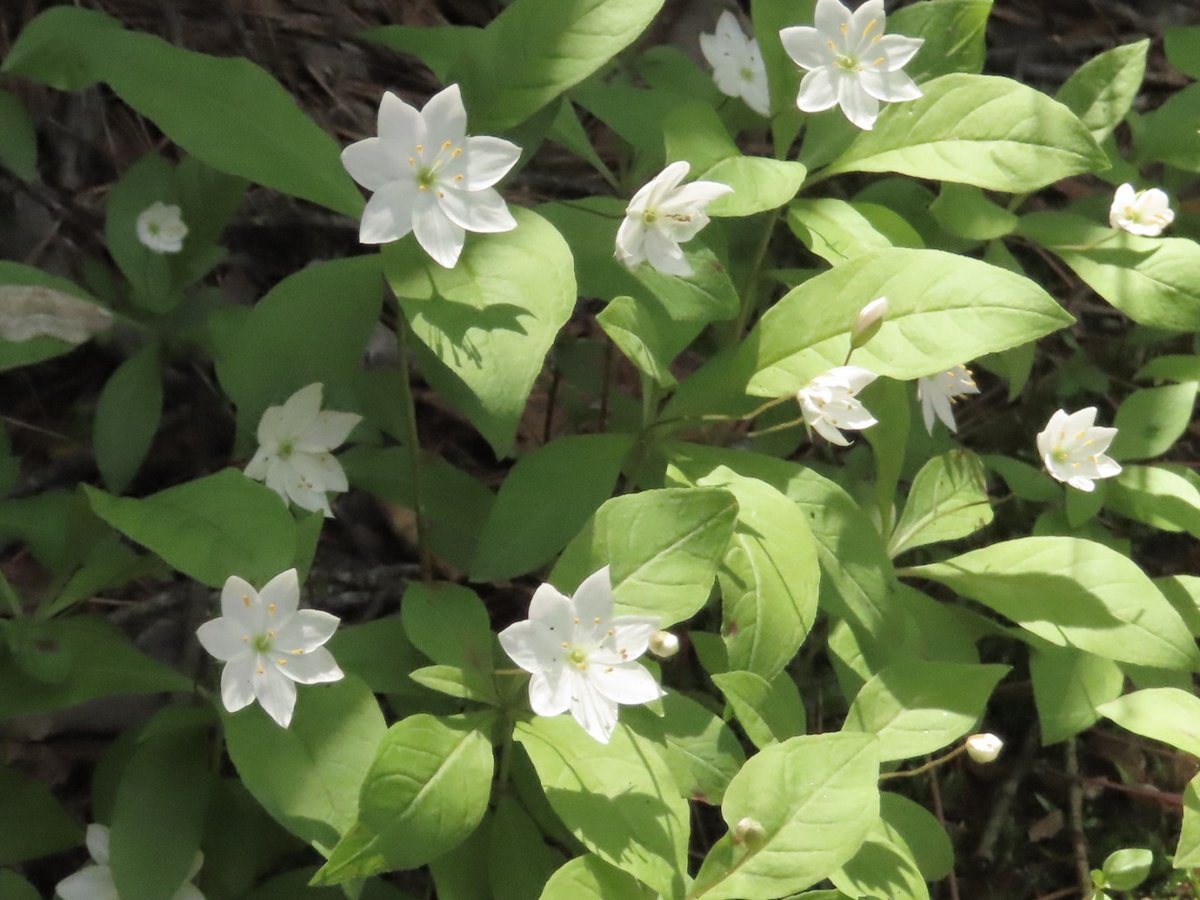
(281, 661)
(270, 609)
(446, 145)
(870, 25)
(245, 600)
(457, 151)
(420, 148)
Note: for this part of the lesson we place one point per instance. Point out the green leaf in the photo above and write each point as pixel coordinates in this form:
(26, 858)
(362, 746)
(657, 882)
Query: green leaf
(994, 133)
(1151, 280)
(953, 31)
(1157, 497)
(90, 658)
(425, 792)
(450, 625)
(1182, 44)
(1103, 89)
(438, 46)
(836, 230)
(211, 528)
(1151, 420)
(1161, 714)
(618, 798)
(32, 823)
(524, 530)
(664, 548)
(519, 860)
(912, 826)
(158, 818)
(759, 184)
(14, 887)
(23, 353)
(287, 341)
(882, 868)
(237, 118)
(18, 140)
(127, 417)
(1068, 686)
(532, 52)
(591, 878)
(1187, 852)
(307, 776)
(1169, 135)
(485, 325)
(1023, 479)
(964, 210)
(155, 278)
(769, 577)
(918, 707)
(769, 711)
(1126, 869)
(1172, 367)
(823, 800)
(462, 873)
(1103, 604)
(641, 335)
(948, 500)
(783, 75)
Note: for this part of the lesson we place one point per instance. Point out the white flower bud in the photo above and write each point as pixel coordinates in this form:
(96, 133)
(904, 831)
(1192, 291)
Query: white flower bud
(869, 321)
(663, 644)
(984, 748)
(750, 834)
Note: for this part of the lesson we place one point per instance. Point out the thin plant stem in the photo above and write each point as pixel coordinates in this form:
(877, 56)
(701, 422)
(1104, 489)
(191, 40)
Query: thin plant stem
(413, 442)
(750, 288)
(927, 767)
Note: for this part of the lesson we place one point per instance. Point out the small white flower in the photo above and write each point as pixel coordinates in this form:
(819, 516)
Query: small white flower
(1072, 447)
(95, 882)
(664, 644)
(1140, 212)
(851, 63)
(984, 748)
(160, 227)
(828, 402)
(868, 322)
(581, 657)
(268, 645)
(938, 393)
(737, 64)
(293, 455)
(663, 215)
(429, 178)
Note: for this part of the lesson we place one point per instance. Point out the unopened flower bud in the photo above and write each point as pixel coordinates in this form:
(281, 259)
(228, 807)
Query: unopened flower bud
(750, 834)
(663, 644)
(984, 748)
(869, 321)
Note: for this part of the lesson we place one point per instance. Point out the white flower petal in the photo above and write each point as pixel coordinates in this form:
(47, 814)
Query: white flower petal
(827, 431)
(592, 710)
(867, 20)
(806, 47)
(308, 630)
(531, 645)
(552, 609)
(445, 116)
(239, 603)
(259, 464)
(327, 431)
(301, 493)
(441, 238)
(664, 253)
(89, 883)
(860, 107)
(388, 215)
(275, 692)
(550, 692)
(631, 238)
(484, 211)
(890, 86)
(817, 91)
(300, 409)
(593, 599)
(832, 19)
(488, 160)
(399, 124)
(896, 50)
(319, 472)
(629, 683)
(280, 597)
(97, 838)
(632, 634)
(315, 667)
(371, 165)
(223, 638)
(237, 682)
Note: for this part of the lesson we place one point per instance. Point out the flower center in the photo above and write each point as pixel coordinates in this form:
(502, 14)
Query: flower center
(578, 657)
(848, 63)
(1060, 455)
(746, 73)
(286, 449)
(263, 643)
(650, 217)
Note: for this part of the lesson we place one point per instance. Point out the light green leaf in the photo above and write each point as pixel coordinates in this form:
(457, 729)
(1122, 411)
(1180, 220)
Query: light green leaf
(450, 625)
(1161, 714)
(308, 775)
(664, 548)
(1169, 135)
(758, 183)
(1187, 852)
(438, 46)
(32, 823)
(1126, 869)
(994, 133)
(882, 868)
(1068, 686)
(519, 860)
(546, 498)
(964, 210)
(1151, 420)
(1172, 367)
(18, 140)
(913, 827)
(948, 500)
(769, 577)
(1157, 497)
(462, 873)
(769, 711)
(1151, 280)
(1023, 479)
(619, 798)
(591, 878)
(783, 75)
(953, 31)
(1102, 602)
(836, 230)
(917, 707)
(238, 118)
(485, 325)
(641, 335)
(211, 528)
(1183, 48)
(1102, 90)
(127, 417)
(823, 800)
(425, 792)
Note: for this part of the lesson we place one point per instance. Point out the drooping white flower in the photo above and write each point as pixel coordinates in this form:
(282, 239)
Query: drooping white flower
(1140, 212)
(95, 882)
(737, 64)
(663, 215)
(294, 444)
(829, 402)
(160, 227)
(868, 322)
(429, 178)
(850, 61)
(1072, 447)
(580, 657)
(984, 748)
(938, 393)
(268, 645)
(664, 644)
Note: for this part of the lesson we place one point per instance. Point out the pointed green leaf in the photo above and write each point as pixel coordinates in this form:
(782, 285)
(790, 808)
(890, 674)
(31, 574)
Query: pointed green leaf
(948, 500)
(1161, 714)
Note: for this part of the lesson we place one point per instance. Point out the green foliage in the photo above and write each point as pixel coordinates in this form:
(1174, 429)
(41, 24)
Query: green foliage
(127, 417)
(18, 146)
(32, 823)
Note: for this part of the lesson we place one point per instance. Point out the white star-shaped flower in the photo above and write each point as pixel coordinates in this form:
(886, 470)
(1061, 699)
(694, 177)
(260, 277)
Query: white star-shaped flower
(429, 178)
(663, 215)
(850, 61)
(95, 882)
(1072, 447)
(294, 444)
(580, 657)
(828, 402)
(737, 64)
(938, 393)
(268, 645)
(1141, 212)
(160, 227)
